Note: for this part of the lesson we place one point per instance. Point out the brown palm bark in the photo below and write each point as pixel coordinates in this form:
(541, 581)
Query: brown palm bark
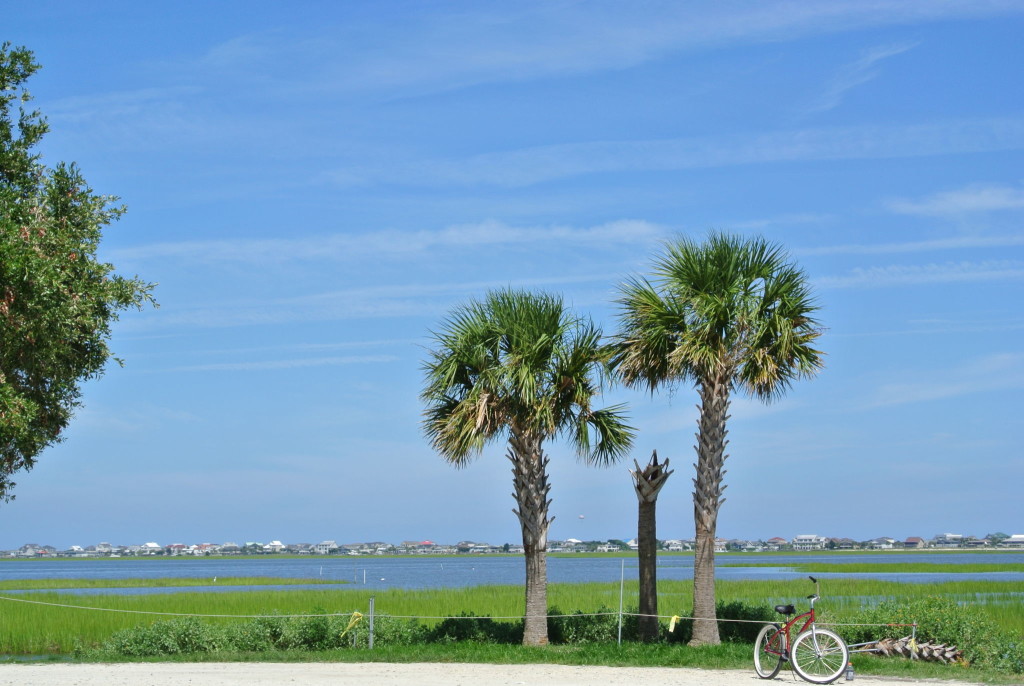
(707, 499)
(530, 478)
(647, 483)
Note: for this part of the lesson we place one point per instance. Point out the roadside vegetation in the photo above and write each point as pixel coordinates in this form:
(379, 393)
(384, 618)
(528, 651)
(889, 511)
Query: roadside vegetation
(485, 624)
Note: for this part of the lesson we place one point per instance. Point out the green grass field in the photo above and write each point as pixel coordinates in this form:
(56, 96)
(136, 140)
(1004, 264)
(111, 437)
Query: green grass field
(888, 567)
(29, 628)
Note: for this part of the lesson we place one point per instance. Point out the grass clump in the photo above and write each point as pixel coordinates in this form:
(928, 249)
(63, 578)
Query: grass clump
(941, 620)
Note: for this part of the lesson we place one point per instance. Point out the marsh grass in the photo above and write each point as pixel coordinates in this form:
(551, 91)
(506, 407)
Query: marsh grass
(163, 582)
(40, 629)
(889, 567)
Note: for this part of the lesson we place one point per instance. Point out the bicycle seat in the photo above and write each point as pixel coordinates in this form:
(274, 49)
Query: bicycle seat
(785, 609)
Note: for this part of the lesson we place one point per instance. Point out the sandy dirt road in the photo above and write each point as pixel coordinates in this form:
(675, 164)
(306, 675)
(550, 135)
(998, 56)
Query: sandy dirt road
(384, 674)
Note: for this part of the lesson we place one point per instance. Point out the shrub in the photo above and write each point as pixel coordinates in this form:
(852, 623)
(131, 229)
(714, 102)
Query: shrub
(942, 621)
(469, 627)
(312, 632)
(185, 635)
(600, 626)
(752, 617)
(390, 631)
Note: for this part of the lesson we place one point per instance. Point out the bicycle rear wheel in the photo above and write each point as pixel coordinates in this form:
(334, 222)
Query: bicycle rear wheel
(769, 650)
(819, 655)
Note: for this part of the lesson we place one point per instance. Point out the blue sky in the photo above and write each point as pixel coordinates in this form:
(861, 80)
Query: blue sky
(315, 185)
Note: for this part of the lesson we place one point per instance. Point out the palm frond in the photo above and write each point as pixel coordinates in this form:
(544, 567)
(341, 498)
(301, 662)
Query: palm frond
(729, 306)
(515, 360)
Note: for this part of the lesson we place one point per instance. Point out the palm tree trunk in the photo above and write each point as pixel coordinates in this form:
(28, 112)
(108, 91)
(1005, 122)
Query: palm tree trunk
(648, 483)
(530, 478)
(647, 557)
(707, 499)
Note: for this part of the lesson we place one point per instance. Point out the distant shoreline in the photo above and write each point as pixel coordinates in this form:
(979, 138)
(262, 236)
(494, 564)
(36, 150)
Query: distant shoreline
(416, 556)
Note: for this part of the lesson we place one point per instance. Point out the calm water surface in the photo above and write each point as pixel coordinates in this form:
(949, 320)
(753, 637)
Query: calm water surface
(463, 571)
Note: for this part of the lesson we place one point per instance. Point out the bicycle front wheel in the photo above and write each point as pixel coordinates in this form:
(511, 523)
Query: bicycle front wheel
(819, 655)
(769, 650)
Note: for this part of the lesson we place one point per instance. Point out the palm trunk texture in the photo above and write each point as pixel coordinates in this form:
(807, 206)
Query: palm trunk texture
(707, 499)
(647, 483)
(530, 477)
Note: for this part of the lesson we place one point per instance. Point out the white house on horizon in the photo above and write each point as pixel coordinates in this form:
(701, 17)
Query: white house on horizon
(809, 542)
(1014, 541)
(325, 547)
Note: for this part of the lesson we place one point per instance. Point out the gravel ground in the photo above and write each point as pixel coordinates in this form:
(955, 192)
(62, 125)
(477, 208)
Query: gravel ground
(385, 674)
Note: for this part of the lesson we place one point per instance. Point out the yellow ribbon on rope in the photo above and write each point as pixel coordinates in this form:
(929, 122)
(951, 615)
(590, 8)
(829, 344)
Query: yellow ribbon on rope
(356, 616)
(672, 624)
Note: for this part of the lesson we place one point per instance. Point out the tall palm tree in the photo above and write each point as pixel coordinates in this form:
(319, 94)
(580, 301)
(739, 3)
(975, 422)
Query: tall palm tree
(518, 366)
(729, 314)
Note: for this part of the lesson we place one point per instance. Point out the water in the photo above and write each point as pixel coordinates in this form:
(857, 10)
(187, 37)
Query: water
(375, 573)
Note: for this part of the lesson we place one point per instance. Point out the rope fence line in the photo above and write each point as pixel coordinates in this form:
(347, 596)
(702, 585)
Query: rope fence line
(165, 614)
(673, 619)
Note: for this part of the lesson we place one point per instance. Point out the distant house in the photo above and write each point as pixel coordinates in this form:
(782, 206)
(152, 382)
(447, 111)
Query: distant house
(882, 543)
(915, 543)
(325, 548)
(947, 541)
(809, 542)
(1014, 541)
(776, 543)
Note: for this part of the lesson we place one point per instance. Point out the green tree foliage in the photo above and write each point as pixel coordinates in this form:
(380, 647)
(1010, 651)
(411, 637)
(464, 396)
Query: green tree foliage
(57, 300)
(729, 314)
(518, 366)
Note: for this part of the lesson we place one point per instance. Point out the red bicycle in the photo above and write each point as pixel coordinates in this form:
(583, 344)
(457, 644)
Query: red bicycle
(817, 655)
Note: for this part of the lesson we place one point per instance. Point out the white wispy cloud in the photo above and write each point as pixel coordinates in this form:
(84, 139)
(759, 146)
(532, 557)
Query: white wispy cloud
(938, 244)
(855, 74)
(944, 327)
(782, 220)
(389, 244)
(973, 198)
(548, 163)
(296, 363)
(415, 300)
(987, 374)
(427, 51)
(903, 275)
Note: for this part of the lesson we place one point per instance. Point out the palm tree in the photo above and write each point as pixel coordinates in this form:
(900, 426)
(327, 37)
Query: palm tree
(729, 314)
(518, 366)
(647, 483)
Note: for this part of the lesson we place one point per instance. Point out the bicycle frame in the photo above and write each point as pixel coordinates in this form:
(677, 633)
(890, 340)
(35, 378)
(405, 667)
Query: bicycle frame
(788, 626)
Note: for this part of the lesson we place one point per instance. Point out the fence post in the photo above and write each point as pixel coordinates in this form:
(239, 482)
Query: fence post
(622, 584)
(371, 622)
